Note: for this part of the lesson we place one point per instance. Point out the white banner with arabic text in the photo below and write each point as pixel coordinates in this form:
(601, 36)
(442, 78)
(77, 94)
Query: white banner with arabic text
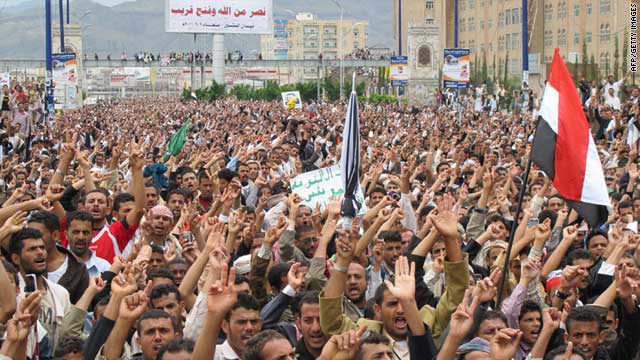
(220, 16)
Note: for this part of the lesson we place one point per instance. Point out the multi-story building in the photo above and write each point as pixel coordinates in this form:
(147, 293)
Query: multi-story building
(307, 37)
(493, 28)
(422, 12)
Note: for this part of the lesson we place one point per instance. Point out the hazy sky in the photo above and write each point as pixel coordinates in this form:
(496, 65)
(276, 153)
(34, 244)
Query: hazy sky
(103, 2)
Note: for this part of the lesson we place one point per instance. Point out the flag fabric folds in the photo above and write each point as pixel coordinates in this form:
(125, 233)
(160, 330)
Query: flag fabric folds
(564, 148)
(350, 158)
(177, 142)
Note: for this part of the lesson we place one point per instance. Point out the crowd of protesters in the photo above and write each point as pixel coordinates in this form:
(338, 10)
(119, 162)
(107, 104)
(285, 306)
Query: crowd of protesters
(115, 248)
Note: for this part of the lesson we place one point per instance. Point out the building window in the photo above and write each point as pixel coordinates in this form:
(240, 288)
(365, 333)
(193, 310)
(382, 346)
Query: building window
(576, 38)
(548, 12)
(500, 19)
(500, 43)
(429, 4)
(472, 4)
(507, 42)
(461, 25)
(605, 32)
(490, 23)
(588, 37)
(515, 41)
(562, 10)
(472, 24)
(515, 16)
(507, 17)
(576, 10)
(605, 7)
(548, 38)
(589, 9)
(424, 56)
(562, 37)
(481, 24)
(429, 21)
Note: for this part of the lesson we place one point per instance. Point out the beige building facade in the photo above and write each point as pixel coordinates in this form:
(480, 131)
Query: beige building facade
(307, 37)
(429, 13)
(492, 28)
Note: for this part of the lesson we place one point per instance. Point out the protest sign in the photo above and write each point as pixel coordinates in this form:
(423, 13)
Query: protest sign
(319, 186)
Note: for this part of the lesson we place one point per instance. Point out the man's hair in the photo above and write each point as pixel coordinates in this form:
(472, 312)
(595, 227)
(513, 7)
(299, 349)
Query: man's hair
(624, 204)
(379, 295)
(527, 307)
(176, 346)
(379, 189)
(374, 338)
(78, 215)
(305, 297)
(275, 274)
(50, 220)
(179, 191)
(69, 345)
(102, 191)
(255, 345)
(11, 270)
(582, 314)
(17, 240)
(120, 199)
(304, 229)
(164, 290)
(593, 234)
(240, 279)
(547, 214)
(496, 218)
(245, 301)
(155, 314)
(579, 254)
(156, 249)
(203, 175)
(160, 273)
(226, 174)
(560, 350)
(177, 260)
(493, 315)
(390, 236)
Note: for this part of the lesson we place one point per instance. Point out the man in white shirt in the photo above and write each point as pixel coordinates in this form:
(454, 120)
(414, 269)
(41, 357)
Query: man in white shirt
(612, 99)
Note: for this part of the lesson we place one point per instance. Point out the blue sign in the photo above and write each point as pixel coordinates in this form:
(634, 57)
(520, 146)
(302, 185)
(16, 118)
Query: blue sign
(399, 71)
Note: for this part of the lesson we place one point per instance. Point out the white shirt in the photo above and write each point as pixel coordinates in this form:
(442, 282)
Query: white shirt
(96, 266)
(54, 276)
(225, 352)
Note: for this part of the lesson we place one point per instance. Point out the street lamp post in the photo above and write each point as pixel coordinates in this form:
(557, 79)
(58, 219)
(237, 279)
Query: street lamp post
(341, 49)
(61, 11)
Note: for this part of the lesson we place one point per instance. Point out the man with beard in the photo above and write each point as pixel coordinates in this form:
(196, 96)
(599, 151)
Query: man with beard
(78, 233)
(297, 242)
(110, 240)
(240, 324)
(29, 253)
(205, 197)
(158, 226)
(176, 200)
(62, 267)
(188, 180)
(392, 250)
(307, 315)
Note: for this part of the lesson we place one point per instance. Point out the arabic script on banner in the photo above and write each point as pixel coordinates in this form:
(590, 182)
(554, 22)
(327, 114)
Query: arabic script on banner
(221, 16)
(319, 186)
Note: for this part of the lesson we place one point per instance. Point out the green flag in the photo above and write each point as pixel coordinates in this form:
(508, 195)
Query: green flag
(177, 142)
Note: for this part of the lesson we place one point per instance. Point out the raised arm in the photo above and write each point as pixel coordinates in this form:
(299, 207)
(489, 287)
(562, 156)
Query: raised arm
(136, 161)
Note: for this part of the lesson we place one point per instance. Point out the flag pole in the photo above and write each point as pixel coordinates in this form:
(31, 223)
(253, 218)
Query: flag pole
(512, 231)
(353, 82)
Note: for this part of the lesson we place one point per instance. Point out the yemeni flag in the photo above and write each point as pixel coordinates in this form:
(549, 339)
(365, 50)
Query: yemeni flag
(177, 142)
(564, 148)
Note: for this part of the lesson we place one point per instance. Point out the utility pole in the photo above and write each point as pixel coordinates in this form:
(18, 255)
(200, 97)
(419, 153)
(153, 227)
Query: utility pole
(49, 65)
(68, 17)
(61, 11)
(525, 40)
(455, 23)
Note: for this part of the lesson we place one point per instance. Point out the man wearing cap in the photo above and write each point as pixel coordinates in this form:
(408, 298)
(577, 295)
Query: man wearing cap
(160, 222)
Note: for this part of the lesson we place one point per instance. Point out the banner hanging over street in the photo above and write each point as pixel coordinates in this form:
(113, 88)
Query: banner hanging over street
(220, 16)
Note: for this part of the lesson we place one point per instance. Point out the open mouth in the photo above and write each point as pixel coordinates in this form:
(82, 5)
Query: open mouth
(400, 322)
(96, 213)
(41, 261)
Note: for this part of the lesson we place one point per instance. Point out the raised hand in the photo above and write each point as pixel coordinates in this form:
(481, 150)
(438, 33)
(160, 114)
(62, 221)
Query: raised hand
(551, 318)
(222, 294)
(572, 276)
(487, 288)
(15, 222)
(531, 270)
(345, 246)
(405, 283)
(136, 156)
(462, 319)
(445, 221)
(295, 277)
(626, 286)
(505, 343)
(134, 305)
(343, 346)
(54, 192)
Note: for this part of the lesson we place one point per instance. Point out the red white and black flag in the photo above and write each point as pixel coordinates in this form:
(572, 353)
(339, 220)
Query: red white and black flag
(564, 148)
